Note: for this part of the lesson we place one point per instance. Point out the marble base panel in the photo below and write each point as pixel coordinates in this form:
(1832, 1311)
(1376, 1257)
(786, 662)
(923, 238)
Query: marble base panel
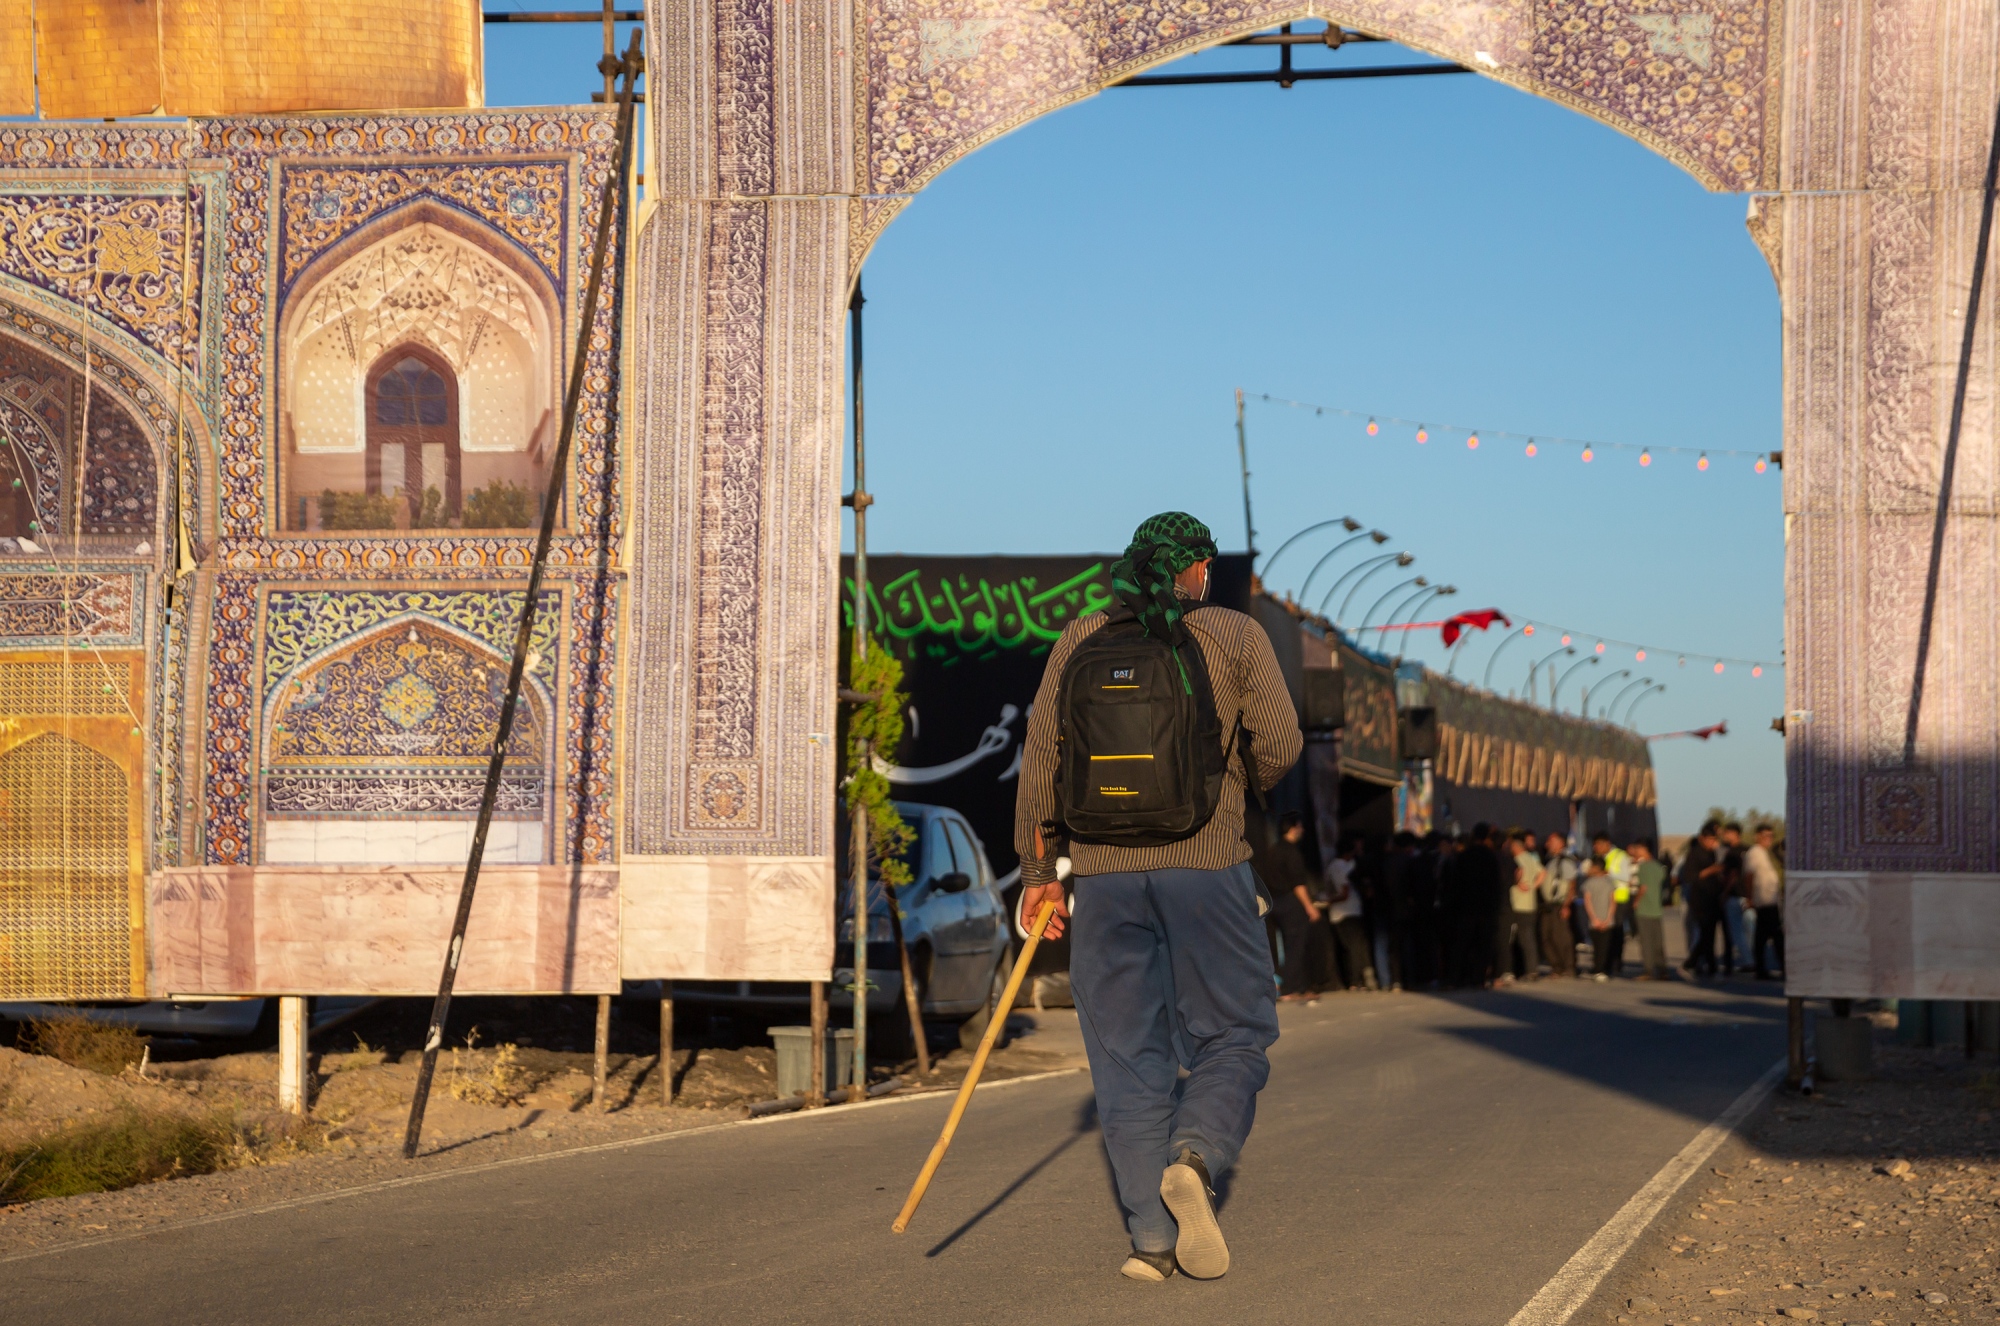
(739, 918)
(389, 842)
(380, 930)
(1881, 935)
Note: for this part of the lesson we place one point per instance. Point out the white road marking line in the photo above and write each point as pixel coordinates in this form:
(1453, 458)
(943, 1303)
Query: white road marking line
(1573, 1285)
(410, 1180)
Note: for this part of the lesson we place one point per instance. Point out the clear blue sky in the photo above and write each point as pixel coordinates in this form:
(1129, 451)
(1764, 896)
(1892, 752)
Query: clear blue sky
(1057, 324)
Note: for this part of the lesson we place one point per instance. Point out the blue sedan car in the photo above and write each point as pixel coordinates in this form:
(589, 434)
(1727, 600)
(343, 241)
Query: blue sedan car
(955, 924)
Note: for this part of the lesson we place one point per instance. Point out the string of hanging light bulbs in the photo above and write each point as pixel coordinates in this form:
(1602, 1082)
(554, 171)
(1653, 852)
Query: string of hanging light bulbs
(1533, 443)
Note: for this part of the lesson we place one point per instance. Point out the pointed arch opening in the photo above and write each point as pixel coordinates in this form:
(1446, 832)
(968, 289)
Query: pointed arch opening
(432, 303)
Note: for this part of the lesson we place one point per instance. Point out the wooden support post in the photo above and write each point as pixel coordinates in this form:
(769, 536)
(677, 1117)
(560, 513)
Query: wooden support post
(602, 1053)
(667, 1043)
(1795, 1035)
(816, 1083)
(292, 1054)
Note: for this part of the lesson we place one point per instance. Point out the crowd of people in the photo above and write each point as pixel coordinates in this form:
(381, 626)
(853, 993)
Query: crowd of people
(1498, 906)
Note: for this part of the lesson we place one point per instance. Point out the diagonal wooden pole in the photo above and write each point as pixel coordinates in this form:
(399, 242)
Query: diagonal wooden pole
(1000, 1012)
(610, 206)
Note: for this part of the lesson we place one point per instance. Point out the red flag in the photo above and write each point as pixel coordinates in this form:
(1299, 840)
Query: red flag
(1700, 734)
(1480, 620)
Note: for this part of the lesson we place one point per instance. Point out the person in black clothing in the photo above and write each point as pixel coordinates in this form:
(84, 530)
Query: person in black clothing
(1472, 900)
(1423, 952)
(1702, 885)
(1298, 912)
(1393, 904)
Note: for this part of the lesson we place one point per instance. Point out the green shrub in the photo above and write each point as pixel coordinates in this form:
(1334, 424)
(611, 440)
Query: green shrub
(131, 1149)
(430, 512)
(102, 1047)
(356, 510)
(502, 505)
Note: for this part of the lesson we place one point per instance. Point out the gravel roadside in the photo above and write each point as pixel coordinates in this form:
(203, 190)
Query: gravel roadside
(1873, 1203)
(361, 1099)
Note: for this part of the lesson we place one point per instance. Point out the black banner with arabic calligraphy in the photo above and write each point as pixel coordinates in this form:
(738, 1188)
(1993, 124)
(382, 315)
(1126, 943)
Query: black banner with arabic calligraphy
(974, 636)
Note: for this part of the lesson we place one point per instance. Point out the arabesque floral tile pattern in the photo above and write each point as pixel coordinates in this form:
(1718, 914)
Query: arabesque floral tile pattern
(1691, 78)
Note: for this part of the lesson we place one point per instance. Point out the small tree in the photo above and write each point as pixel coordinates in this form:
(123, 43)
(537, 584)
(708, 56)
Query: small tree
(875, 728)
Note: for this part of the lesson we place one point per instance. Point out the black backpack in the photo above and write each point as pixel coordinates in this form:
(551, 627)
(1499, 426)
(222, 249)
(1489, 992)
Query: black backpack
(1139, 753)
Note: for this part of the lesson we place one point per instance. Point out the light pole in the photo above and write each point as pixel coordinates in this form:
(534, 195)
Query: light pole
(1348, 523)
(1414, 605)
(1601, 681)
(1634, 708)
(1369, 615)
(1341, 580)
(1375, 534)
(1536, 667)
(1399, 559)
(1619, 698)
(1556, 690)
(1512, 636)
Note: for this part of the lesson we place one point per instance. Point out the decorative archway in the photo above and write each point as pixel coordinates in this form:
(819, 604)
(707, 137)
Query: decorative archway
(86, 465)
(793, 134)
(375, 751)
(429, 282)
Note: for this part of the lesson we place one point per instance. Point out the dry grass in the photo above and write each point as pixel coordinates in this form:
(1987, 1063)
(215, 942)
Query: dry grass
(102, 1047)
(499, 1080)
(118, 1153)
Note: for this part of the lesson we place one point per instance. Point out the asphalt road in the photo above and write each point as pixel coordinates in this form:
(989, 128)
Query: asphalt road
(1417, 1159)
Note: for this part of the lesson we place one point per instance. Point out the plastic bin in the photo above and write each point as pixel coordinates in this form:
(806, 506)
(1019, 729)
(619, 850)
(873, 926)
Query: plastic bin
(794, 1045)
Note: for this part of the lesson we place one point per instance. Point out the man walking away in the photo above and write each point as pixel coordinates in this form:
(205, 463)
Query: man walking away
(1765, 882)
(1558, 894)
(1701, 885)
(1649, 894)
(1343, 910)
(1169, 964)
(1523, 900)
(1601, 910)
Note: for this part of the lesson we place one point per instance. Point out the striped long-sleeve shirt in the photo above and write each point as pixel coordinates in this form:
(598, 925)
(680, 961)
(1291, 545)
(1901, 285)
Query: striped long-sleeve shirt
(1248, 686)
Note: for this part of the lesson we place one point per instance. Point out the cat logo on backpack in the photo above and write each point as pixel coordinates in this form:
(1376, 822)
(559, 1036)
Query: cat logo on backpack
(1140, 756)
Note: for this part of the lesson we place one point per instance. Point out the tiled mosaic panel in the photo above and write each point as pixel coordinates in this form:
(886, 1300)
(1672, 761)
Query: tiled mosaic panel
(69, 877)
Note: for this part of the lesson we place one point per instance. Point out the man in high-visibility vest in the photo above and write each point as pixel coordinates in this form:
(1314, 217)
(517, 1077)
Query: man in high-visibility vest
(1624, 871)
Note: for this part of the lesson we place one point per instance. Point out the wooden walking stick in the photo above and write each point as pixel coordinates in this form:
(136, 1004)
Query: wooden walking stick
(999, 1019)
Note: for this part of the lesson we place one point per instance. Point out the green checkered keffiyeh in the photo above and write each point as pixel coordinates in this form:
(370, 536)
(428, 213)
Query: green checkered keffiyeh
(1143, 578)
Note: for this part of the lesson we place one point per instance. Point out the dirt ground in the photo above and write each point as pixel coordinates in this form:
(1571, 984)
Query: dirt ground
(522, 1088)
(1873, 1203)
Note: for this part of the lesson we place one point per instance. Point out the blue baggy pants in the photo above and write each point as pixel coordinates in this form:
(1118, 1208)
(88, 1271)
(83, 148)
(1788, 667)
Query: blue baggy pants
(1171, 969)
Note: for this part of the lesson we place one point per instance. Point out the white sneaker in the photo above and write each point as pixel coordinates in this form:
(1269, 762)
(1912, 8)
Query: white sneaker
(1199, 1251)
(1600, 976)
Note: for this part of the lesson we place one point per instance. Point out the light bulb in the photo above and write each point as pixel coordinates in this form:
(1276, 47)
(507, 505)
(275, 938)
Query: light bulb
(1588, 455)
(1373, 428)
(1702, 464)
(1529, 629)
(1532, 448)
(1718, 667)
(1642, 656)
(1759, 467)
(1757, 671)
(1645, 458)
(1423, 435)
(1600, 646)
(1472, 443)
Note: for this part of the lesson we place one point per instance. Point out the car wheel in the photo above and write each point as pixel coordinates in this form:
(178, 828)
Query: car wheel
(973, 1028)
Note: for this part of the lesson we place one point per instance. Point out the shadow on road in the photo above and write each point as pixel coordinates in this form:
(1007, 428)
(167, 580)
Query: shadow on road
(1086, 1126)
(1629, 1047)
